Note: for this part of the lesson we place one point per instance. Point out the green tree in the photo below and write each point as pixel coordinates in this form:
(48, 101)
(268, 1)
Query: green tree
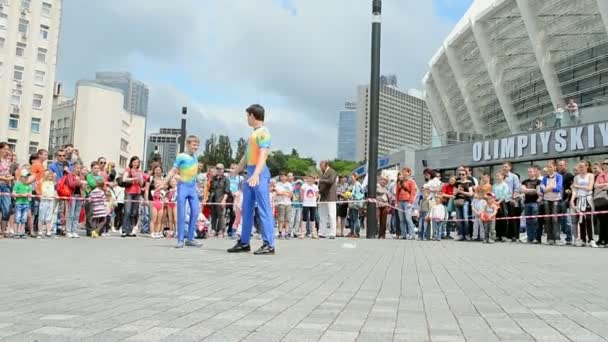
(241, 146)
(294, 153)
(298, 166)
(276, 162)
(344, 167)
(209, 156)
(223, 151)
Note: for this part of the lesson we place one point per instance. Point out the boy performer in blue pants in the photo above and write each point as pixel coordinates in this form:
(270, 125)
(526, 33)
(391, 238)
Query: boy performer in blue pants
(185, 170)
(256, 186)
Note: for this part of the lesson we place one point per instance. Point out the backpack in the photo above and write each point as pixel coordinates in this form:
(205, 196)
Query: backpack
(121, 183)
(63, 190)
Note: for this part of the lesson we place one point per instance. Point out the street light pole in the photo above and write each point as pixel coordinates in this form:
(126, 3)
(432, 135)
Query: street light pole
(372, 160)
(182, 138)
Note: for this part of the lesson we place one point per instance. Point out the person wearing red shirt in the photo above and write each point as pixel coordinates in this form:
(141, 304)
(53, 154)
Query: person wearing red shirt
(447, 193)
(405, 193)
(136, 178)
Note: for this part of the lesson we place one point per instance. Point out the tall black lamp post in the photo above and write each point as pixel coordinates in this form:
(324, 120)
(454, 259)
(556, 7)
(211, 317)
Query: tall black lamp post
(372, 160)
(182, 138)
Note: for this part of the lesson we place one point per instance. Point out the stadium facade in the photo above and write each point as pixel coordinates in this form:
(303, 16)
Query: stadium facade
(508, 64)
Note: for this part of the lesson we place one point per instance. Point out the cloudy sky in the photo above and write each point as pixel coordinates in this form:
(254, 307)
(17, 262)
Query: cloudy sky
(300, 58)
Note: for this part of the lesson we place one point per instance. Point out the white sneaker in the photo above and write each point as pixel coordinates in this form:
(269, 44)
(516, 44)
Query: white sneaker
(592, 244)
(69, 235)
(75, 236)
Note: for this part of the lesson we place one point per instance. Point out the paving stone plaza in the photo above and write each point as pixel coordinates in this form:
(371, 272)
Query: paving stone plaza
(115, 289)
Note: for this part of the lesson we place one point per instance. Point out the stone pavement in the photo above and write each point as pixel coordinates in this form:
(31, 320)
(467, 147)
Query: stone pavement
(114, 289)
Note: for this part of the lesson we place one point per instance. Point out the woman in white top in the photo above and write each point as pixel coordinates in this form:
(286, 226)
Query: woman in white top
(582, 202)
(433, 183)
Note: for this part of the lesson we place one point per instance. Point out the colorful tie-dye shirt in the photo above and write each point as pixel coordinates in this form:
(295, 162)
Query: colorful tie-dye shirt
(187, 166)
(259, 139)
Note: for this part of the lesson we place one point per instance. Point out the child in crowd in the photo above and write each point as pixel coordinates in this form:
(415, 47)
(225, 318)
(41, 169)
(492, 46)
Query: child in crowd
(110, 204)
(296, 209)
(310, 194)
(119, 195)
(438, 215)
(47, 204)
(479, 206)
(424, 231)
(156, 214)
(97, 198)
(202, 226)
(489, 218)
(22, 193)
(237, 207)
(171, 207)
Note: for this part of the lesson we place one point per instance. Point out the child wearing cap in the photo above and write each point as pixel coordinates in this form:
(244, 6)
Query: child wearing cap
(22, 193)
(296, 209)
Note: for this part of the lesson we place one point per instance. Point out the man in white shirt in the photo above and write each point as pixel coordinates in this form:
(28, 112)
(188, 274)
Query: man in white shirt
(573, 110)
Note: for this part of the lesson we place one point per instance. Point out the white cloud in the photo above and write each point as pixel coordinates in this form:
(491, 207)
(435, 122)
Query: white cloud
(301, 67)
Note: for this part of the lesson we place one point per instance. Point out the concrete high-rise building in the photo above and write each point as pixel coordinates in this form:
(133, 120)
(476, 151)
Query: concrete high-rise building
(347, 132)
(164, 145)
(135, 92)
(95, 122)
(404, 120)
(29, 36)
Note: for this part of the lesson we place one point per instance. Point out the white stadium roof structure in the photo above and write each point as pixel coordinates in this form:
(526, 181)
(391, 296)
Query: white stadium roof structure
(509, 63)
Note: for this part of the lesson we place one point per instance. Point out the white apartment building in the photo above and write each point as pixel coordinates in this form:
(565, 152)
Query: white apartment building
(404, 120)
(98, 125)
(29, 36)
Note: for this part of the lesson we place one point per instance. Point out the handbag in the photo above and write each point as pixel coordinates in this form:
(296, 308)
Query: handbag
(600, 198)
(459, 202)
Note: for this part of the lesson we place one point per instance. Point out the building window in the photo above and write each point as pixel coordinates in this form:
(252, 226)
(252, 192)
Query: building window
(123, 145)
(25, 4)
(35, 125)
(44, 32)
(23, 25)
(2, 40)
(33, 147)
(39, 77)
(46, 9)
(12, 144)
(20, 50)
(41, 55)
(1, 69)
(37, 102)
(13, 121)
(3, 20)
(122, 162)
(16, 97)
(59, 123)
(18, 74)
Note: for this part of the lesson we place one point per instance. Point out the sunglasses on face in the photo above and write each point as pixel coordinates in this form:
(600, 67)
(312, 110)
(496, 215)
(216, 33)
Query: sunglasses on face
(605, 163)
(61, 156)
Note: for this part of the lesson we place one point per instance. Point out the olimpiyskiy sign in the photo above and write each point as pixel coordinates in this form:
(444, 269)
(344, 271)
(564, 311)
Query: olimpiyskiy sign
(577, 140)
